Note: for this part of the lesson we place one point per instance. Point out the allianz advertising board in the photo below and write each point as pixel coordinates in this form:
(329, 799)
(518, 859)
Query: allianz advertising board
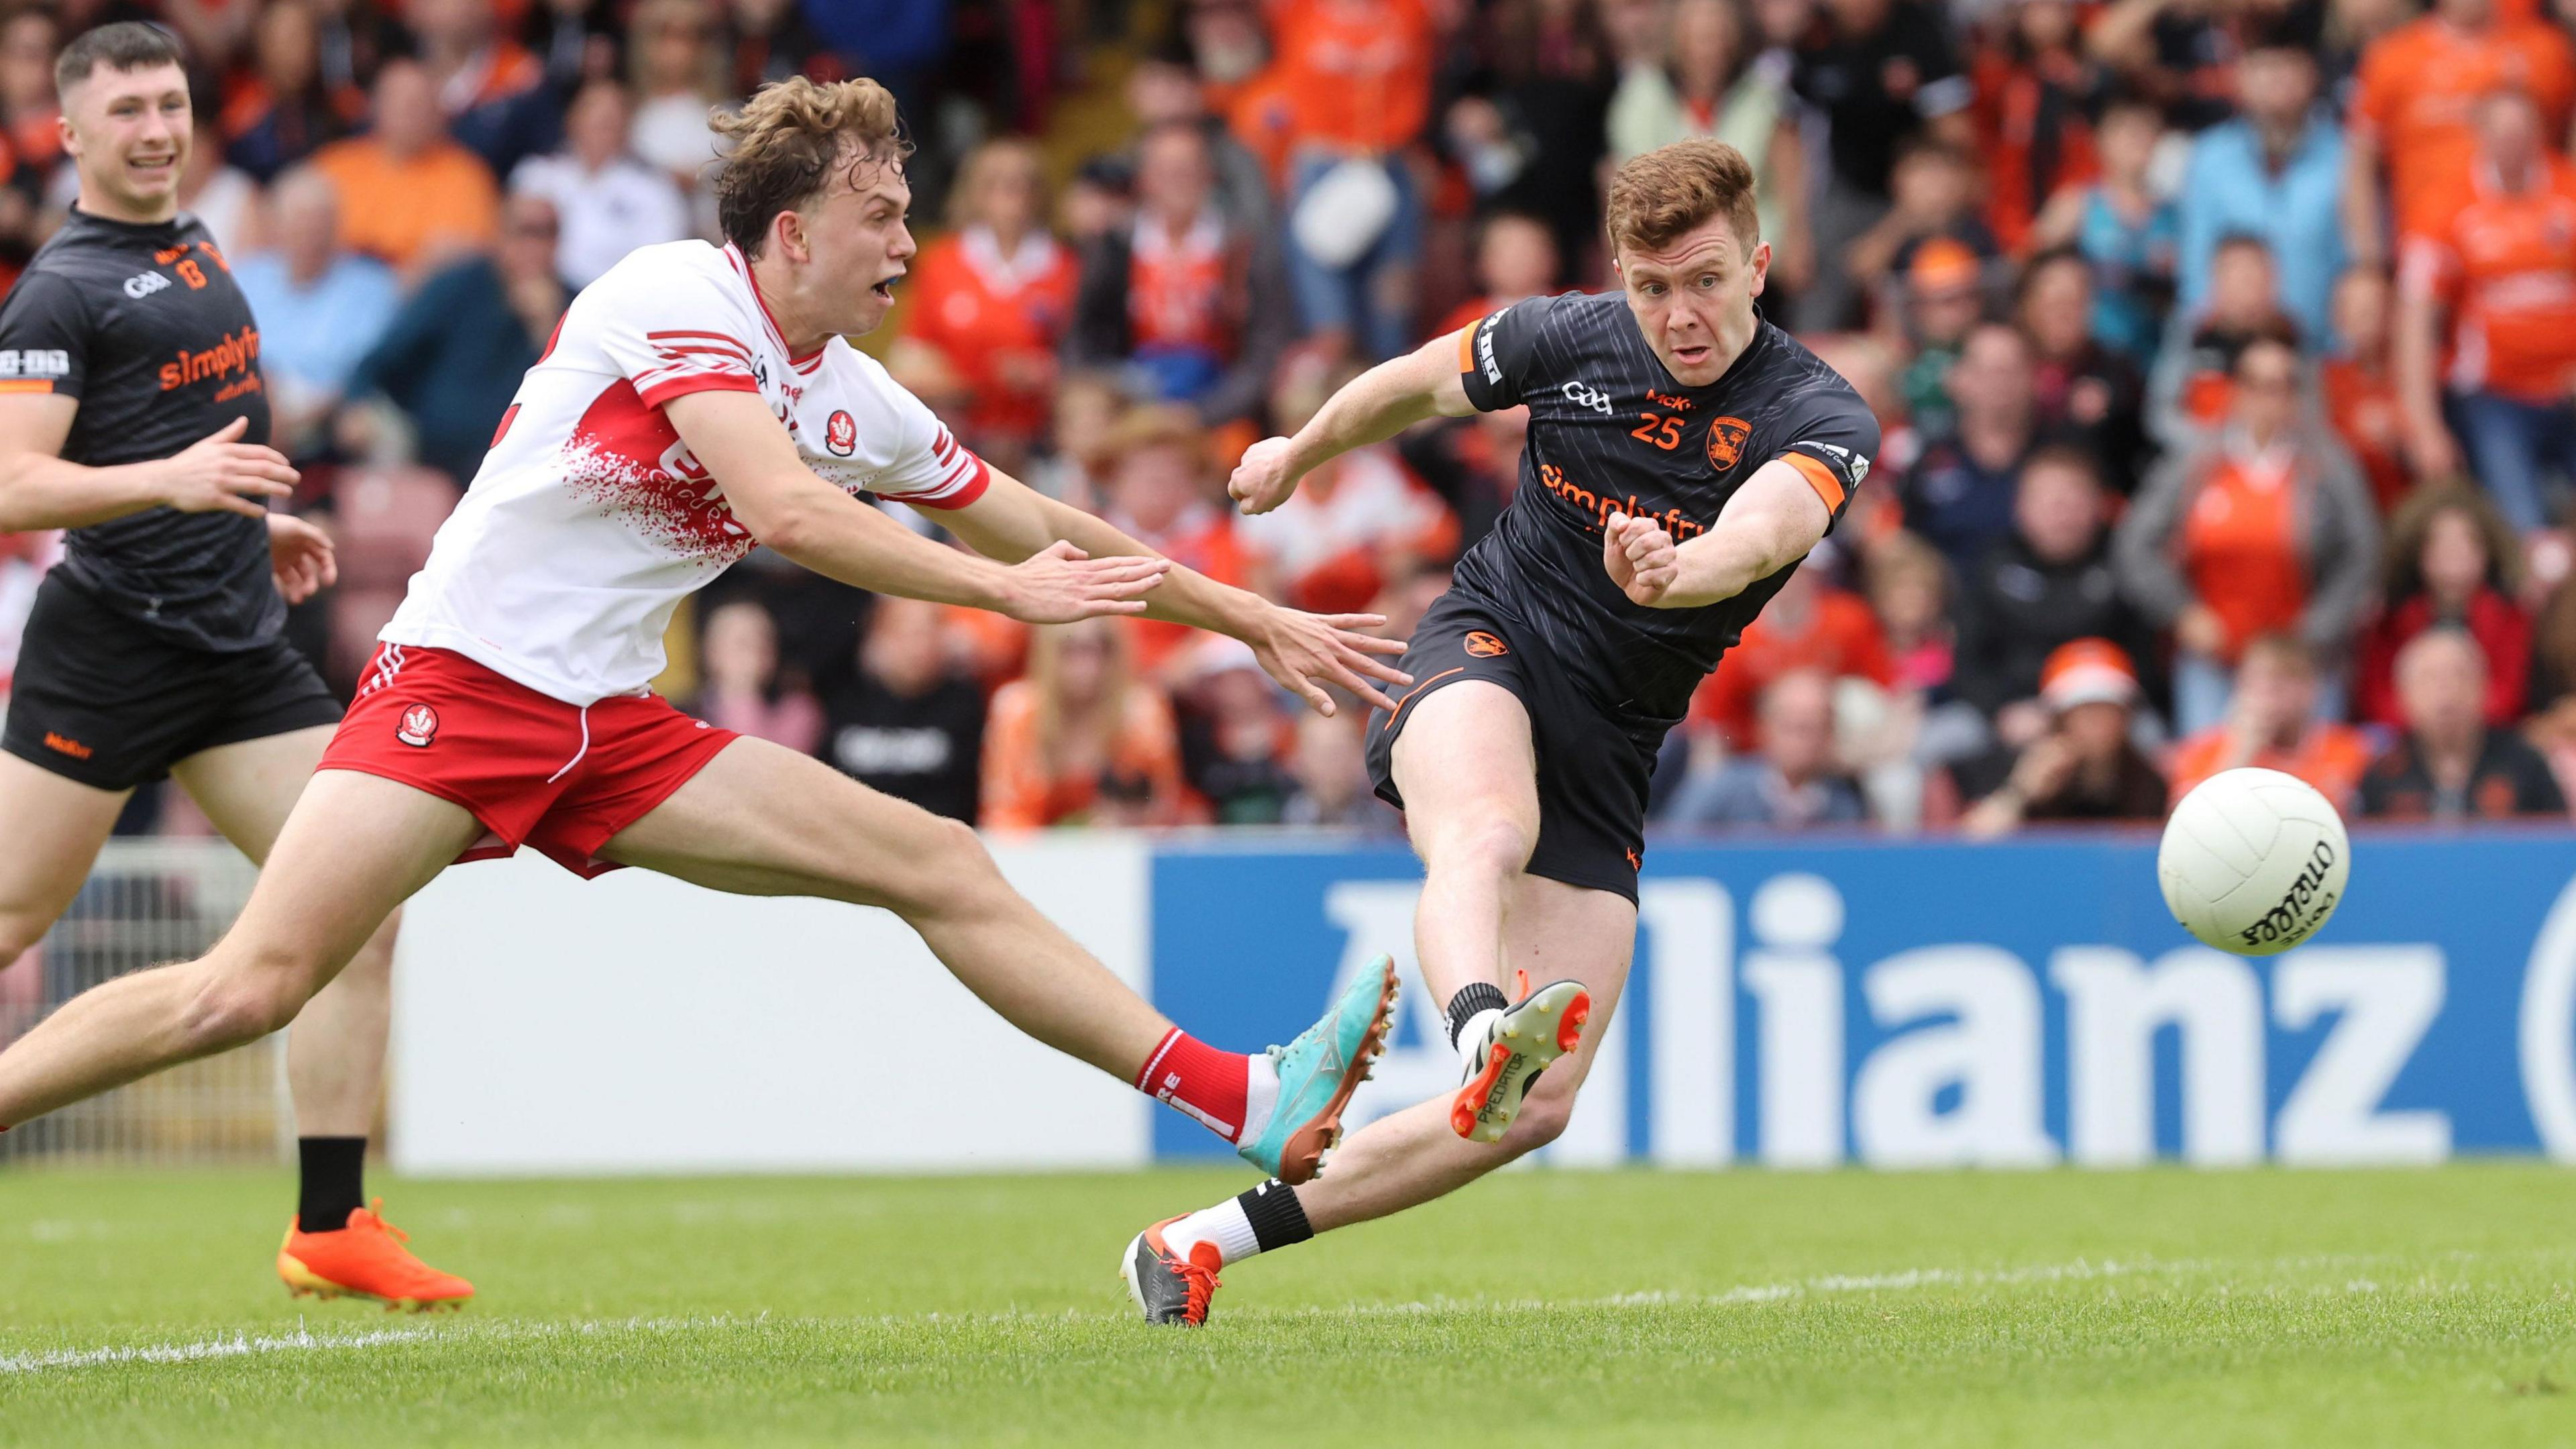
(1936, 1005)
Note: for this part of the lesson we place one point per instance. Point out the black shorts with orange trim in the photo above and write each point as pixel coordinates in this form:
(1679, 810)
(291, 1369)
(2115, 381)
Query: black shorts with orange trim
(113, 703)
(1593, 770)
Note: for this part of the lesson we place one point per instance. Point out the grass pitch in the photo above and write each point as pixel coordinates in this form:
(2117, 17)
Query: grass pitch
(2154, 1308)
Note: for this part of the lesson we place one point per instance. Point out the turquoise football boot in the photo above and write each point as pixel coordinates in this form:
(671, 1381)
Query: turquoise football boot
(1319, 1071)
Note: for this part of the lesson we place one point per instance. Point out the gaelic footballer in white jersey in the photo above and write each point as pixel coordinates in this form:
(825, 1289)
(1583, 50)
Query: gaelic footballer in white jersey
(589, 520)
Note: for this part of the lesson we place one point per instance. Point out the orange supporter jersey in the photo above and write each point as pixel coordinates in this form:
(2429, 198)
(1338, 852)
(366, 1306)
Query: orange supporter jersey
(2506, 264)
(2362, 404)
(1839, 636)
(2240, 548)
(996, 320)
(1353, 75)
(1176, 288)
(1203, 540)
(397, 209)
(2420, 84)
(1023, 790)
(2330, 757)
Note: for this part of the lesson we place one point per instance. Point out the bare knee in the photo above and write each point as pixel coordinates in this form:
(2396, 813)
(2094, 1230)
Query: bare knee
(239, 1001)
(1543, 1117)
(1492, 843)
(948, 872)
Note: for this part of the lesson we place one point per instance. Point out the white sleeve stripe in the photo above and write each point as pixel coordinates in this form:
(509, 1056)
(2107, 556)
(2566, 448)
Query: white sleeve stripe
(665, 375)
(952, 480)
(692, 364)
(701, 337)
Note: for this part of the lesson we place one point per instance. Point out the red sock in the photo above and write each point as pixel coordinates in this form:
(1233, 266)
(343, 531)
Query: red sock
(1203, 1082)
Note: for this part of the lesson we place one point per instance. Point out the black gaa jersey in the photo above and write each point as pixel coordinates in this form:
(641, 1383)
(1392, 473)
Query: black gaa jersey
(143, 324)
(1611, 431)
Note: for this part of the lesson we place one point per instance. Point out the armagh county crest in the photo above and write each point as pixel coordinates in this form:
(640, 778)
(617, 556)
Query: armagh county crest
(419, 726)
(1726, 441)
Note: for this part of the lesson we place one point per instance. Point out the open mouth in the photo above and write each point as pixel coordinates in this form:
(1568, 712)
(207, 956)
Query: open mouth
(885, 288)
(1691, 356)
(152, 165)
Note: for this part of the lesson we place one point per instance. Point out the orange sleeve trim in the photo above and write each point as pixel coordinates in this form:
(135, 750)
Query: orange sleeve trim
(1819, 477)
(22, 384)
(1467, 347)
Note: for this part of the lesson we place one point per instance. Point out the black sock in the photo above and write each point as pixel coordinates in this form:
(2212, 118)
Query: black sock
(1473, 997)
(335, 1182)
(1277, 1218)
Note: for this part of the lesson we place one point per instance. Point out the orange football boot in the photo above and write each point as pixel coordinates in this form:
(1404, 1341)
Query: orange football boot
(367, 1260)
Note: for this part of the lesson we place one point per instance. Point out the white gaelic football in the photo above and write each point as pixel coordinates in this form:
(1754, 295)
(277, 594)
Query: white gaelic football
(2253, 861)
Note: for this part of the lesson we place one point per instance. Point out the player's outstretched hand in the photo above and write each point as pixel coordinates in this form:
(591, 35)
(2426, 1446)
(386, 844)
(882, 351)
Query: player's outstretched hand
(221, 471)
(300, 557)
(1305, 652)
(1062, 583)
(1263, 480)
(1641, 557)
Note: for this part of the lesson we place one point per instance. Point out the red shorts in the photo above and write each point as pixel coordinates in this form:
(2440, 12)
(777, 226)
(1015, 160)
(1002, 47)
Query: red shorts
(535, 770)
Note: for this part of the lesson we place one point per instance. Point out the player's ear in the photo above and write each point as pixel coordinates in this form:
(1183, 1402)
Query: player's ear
(1760, 263)
(787, 234)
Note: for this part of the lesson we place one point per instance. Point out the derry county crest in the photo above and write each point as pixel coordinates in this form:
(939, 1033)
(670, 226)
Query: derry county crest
(418, 727)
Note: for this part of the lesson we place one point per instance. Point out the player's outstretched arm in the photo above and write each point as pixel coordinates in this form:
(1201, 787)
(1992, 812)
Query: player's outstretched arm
(1770, 523)
(1304, 652)
(810, 522)
(38, 489)
(1370, 408)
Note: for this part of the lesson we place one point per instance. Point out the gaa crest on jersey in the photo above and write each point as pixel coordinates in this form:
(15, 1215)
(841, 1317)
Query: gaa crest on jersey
(1726, 442)
(841, 433)
(418, 726)
(1481, 645)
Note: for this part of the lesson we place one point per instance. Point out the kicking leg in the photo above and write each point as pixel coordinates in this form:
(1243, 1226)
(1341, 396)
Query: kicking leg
(1415, 1155)
(763, 820)
(335, 1051)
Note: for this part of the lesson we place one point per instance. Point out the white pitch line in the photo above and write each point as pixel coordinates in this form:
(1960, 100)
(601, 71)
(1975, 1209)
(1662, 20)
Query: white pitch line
(2081, 1270)
(302, 1341)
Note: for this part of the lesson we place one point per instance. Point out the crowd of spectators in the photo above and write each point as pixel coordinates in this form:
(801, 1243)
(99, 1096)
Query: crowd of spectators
(2225, 352)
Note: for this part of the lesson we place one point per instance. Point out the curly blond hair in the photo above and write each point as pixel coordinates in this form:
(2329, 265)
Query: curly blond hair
(788, 141)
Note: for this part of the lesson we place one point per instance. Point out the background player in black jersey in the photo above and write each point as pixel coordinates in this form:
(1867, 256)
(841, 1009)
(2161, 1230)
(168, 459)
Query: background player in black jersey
(133, 413)
(1683, 457)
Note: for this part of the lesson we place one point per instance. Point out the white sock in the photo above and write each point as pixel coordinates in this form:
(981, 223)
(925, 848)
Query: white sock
(1224, 1225)
(1472, 1039)
(1260, 1097)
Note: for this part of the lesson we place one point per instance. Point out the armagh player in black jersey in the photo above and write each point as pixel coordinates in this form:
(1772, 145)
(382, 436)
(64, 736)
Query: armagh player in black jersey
(1683, 456)
(133, 414)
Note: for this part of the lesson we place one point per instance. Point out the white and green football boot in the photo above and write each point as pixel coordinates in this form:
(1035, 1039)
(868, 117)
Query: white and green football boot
(1317, 1074)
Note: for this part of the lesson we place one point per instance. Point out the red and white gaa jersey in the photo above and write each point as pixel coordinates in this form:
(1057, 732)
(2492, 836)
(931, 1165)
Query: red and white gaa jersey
(589, 520)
